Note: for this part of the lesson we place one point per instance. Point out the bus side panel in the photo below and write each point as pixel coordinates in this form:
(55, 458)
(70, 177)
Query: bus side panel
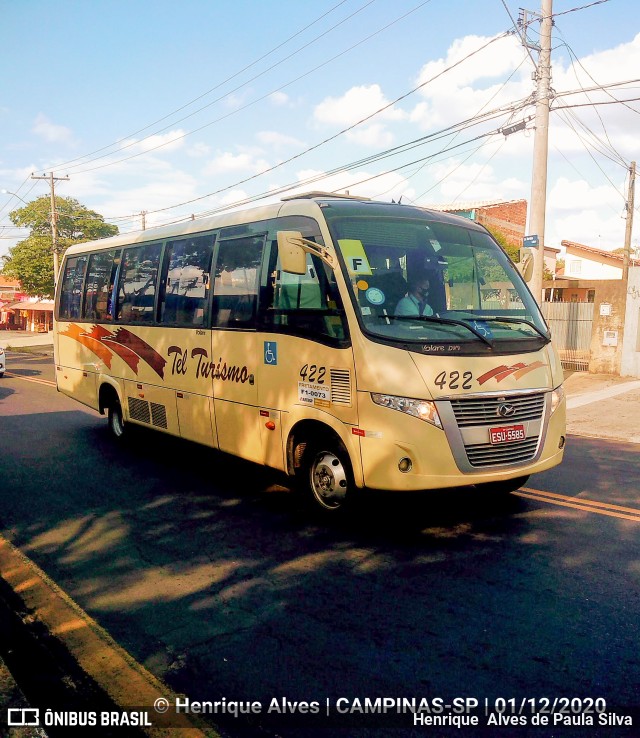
(149, 404)
(307, 380)
(77, 383)
(235, 360)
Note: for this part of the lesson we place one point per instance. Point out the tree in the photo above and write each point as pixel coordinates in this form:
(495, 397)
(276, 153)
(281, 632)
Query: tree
(31, 261)
(513, 252)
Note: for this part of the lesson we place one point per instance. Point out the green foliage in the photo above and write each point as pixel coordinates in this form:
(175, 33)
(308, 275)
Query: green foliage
(31, 260)
(513, 252)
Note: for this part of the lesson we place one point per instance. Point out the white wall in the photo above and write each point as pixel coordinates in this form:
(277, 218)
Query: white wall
(630, 366)
(590, 269)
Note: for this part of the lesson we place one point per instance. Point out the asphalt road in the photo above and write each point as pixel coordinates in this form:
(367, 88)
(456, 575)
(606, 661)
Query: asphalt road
(211, 574)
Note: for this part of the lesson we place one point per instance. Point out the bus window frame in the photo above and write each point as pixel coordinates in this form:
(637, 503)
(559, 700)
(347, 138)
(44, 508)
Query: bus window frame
(163, 273)
(120, 276)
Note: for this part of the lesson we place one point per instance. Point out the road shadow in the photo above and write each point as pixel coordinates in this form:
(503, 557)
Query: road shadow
(215, 576)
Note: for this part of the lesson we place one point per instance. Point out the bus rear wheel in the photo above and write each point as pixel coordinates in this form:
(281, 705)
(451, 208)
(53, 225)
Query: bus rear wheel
(116, 423)
(326, 477)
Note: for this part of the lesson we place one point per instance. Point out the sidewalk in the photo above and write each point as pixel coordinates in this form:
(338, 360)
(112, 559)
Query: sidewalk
(603, 406)
(20, 339)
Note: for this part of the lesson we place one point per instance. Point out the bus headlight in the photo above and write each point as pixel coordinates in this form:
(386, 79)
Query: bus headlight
(421, 409)
(557, 396)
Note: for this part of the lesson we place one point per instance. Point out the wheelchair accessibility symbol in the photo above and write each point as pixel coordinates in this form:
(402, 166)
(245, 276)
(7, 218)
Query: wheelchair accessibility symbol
(270, 353)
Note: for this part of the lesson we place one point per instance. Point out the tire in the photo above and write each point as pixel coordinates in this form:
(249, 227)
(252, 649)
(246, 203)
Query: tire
(117, 425)
(325, 476)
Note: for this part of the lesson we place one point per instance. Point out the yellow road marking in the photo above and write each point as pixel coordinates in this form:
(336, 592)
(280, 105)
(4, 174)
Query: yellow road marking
(577, 503)
(48, 382)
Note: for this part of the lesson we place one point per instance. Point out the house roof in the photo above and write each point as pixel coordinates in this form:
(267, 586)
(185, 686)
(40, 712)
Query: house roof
(597, 252)
(473, 205)
(46, 305)
(6, 283)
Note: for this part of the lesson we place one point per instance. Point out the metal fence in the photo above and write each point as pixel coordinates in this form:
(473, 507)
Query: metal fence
(571, 326)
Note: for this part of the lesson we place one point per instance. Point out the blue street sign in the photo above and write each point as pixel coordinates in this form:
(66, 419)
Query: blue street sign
(531, 242)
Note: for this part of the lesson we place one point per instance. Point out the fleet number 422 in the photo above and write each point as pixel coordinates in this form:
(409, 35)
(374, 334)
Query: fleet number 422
(454, 380)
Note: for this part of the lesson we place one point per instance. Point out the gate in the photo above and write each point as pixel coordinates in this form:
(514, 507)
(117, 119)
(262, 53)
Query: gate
(571, 326)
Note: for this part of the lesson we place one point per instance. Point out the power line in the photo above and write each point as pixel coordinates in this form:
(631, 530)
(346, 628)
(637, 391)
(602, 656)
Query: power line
(220, 84)
(336, 135)
(243, 107)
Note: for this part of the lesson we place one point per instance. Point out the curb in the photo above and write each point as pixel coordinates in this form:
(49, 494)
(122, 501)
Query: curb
(112, 668)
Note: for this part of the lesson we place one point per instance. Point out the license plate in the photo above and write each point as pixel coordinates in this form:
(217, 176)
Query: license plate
(507, 434)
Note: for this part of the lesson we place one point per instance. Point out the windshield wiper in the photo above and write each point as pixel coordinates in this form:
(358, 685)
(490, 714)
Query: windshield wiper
(443, 321)
(497, 318)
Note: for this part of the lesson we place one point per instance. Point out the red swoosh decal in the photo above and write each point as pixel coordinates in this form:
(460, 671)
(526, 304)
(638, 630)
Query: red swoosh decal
(128, 344)
(92, 340)
(527, 369)
(503, 371)
(130, 358)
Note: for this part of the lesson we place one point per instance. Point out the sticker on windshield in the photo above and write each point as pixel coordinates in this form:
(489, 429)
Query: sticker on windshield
(355, 256)
(375, 296)
(482, 328)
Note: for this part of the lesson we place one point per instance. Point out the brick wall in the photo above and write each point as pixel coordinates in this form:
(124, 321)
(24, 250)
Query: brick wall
(509, 218)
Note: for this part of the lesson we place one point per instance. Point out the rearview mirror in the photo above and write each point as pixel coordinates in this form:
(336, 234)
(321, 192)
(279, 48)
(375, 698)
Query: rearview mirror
(293, 258)
(525, 265)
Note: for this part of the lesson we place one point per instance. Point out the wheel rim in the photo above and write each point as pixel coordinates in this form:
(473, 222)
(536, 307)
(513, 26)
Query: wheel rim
(328, 478)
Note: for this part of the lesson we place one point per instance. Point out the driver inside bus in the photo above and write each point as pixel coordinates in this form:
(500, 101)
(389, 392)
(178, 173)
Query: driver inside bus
(415, 301)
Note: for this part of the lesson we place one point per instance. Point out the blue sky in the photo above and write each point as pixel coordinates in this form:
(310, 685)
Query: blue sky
(155, 105)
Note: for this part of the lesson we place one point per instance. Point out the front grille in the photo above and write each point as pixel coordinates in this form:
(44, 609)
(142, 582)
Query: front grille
(340, 386)
(484, 410)
(486, 454)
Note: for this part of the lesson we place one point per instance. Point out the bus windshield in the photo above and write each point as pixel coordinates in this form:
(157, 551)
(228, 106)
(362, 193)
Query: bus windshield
(419, 279)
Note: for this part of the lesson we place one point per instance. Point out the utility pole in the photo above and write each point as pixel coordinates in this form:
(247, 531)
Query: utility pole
(629, 205)
(144, 220)
(54, 219)
(537, 206)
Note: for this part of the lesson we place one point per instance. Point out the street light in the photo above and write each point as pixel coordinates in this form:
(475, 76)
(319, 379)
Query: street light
(6, 192)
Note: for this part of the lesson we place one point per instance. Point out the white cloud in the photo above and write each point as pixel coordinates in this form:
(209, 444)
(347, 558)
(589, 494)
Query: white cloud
(279, 140)
(170, 141)
(279, 98)
(51, 132)
(199, 150)
(477, 84)
(356, 104)
(577, 195)
(242, 162)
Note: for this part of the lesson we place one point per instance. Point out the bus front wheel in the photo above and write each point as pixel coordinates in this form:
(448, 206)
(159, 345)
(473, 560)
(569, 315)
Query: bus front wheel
(116, 423)
(326, 477)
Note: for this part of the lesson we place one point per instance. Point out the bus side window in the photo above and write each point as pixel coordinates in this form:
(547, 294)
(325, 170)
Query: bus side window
(187, 279)
(99, 285)
(71, 294)
(305, 303)
(235, 290)
(138, 282)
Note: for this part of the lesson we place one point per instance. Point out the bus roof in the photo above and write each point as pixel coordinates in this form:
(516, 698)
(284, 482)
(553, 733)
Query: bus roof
(305, 204)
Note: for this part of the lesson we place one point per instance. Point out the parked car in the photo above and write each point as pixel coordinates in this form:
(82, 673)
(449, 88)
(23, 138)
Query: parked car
(2, 362)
